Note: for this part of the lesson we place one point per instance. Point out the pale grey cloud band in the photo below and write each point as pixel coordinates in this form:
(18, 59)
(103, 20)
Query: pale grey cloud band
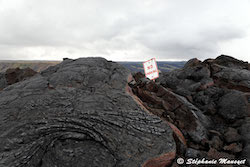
(124, 30)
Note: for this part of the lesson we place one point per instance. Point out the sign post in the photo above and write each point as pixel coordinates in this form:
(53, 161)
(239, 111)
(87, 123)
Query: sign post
(150, 69)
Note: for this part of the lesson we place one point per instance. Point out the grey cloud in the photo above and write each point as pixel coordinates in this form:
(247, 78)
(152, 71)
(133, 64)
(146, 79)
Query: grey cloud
(165, 29)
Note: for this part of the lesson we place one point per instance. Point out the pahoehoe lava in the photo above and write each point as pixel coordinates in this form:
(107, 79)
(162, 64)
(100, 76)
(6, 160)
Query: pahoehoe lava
(92, 112)
(78, 113)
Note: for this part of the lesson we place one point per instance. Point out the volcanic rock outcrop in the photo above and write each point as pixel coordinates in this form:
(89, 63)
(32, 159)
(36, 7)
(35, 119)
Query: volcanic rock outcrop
(92, 112)
(208, 102)
(79, 113)
(14, 75)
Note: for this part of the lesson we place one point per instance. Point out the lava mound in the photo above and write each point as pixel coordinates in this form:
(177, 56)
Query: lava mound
(78, 113)
(209, 104)
(92, 112)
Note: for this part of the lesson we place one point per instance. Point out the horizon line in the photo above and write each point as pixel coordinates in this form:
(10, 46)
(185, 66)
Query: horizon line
(169, 60)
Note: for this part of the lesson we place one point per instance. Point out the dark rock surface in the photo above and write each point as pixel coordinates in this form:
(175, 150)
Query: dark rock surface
(173, 107)
(78, 113)
(93, 112)
(3, 82)
(244, 131)
(14, 75)
(207, 101)
(232, 105)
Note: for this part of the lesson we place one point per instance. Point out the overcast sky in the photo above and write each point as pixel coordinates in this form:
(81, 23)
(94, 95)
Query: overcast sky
(124, 29)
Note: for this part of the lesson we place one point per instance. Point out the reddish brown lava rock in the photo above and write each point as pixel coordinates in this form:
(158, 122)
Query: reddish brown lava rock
(205, 104)
(213, 153)
(234, 148)
(178, 133)
(136, 99)
(192, 62)
(162, 161)
(169, 106)
(14, 75)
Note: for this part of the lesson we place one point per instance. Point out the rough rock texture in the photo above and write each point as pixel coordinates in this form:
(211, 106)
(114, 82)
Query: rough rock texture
(3, 82)
(244, 131)
(14, 75)
(173, 107)
(78, 113)
(209, 102)
(92, 112)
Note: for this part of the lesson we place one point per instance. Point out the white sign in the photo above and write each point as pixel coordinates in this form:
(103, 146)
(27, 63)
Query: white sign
(150, 69)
